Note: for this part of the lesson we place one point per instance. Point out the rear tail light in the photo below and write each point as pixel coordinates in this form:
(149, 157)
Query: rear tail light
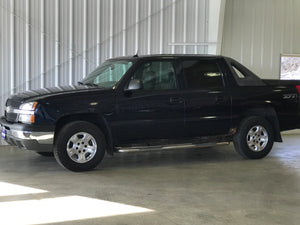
(298, 89)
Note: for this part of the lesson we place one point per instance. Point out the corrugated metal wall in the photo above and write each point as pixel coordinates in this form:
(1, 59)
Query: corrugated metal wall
(57, 42)
(256, 32)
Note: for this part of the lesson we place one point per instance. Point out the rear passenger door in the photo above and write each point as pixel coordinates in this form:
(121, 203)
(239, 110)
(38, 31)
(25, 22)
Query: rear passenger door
(207, 101)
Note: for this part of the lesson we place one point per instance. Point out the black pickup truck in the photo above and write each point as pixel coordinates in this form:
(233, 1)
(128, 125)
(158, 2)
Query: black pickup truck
(149, 100)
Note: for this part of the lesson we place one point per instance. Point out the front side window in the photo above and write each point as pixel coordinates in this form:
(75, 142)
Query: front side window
(108, 74)
(156, 75)
(201, 74)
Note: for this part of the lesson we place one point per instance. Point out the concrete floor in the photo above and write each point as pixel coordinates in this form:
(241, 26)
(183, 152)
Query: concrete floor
(191, 186)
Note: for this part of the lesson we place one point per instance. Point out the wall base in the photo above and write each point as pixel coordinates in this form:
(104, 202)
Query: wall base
(296, 131)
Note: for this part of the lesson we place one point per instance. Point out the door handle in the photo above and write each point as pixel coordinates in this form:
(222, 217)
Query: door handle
(176, 100)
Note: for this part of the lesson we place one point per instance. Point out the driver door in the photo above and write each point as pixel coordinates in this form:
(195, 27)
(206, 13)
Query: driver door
(155, 111)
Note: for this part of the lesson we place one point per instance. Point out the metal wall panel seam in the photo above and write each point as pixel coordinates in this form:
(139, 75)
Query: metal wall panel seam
(161, 27)
(221, 27)
(282, 33)
(124, 27)
(173, 26)
(242, 34)
(272, 40)
(84, 34)
(42, 72)
(27, 47)
(206, 28)
(184, 24)
(111, 28)
(56, 61)
(137, 26)
(98, 29)
(2, 56)
(262, 48)
(291, 14)
(70, 42)
(252, 37)
(229, 11)
(149, 27)
(12, 48)
(196, 25)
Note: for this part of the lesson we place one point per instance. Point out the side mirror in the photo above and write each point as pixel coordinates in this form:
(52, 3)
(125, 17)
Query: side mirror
(134, 85)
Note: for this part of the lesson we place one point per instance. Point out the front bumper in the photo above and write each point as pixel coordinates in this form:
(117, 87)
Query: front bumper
(36, 138)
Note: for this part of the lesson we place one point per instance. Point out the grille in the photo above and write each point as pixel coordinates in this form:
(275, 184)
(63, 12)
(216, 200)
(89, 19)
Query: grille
(11, 117)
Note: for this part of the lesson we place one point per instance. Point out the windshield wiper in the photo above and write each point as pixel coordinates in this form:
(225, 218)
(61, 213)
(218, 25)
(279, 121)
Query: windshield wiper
(87, 84)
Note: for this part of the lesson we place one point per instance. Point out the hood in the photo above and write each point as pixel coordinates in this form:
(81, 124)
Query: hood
(53, 91)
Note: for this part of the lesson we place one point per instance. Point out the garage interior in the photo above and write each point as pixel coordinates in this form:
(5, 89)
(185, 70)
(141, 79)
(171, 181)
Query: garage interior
(49, 43)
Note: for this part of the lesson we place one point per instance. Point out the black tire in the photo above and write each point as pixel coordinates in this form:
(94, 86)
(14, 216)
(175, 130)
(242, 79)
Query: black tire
(250, 140)
(46, 154)
(84, 155)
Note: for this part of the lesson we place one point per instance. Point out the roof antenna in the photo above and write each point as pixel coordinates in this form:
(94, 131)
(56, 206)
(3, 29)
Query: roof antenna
(136, 54)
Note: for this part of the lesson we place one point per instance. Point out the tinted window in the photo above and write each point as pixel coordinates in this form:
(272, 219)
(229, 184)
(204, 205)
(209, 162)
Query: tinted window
(201, 74)
(238, 73)
(245, 77)
(156, 75)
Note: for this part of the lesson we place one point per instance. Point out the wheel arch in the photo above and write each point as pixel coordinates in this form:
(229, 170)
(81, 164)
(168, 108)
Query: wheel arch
(93, 118)
(269, 114)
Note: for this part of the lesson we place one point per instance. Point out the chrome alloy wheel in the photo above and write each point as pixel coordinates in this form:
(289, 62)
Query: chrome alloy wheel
(257, 138)
(81, 147)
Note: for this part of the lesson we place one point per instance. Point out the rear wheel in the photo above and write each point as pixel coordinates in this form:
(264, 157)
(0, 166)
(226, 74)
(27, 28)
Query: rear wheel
(79, 146)
(254, 138)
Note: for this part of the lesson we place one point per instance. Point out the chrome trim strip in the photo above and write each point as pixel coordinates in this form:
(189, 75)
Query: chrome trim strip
(40, 137)
(22, 111)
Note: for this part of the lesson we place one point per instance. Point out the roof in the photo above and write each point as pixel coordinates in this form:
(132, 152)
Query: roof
(155, 56)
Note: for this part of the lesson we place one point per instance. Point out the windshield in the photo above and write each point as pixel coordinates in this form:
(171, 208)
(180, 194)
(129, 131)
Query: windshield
(108, 74)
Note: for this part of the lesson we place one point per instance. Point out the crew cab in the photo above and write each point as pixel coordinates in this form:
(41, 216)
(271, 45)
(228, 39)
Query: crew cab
(147, 100)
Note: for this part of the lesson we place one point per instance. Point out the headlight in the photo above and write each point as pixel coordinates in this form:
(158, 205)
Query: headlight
(29, 106)
(26, 112)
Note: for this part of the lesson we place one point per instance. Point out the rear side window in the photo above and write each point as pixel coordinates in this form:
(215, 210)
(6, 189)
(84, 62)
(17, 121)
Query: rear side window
(201, 74)
(243, 76)
(238, 73)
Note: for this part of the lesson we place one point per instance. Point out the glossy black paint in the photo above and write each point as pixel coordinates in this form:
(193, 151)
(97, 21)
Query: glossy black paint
(146, 115)
(130, 116)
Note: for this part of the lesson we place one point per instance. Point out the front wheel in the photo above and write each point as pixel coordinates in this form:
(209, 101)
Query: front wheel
(79, 146)
(254, 138)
